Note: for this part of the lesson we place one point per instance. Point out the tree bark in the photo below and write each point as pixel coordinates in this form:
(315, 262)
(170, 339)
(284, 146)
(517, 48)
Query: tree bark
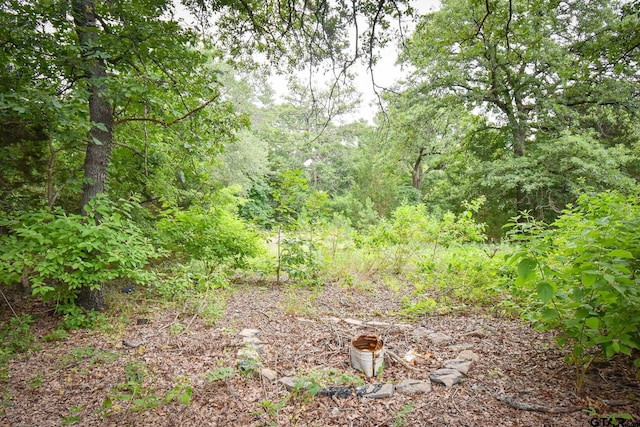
(416, 171)
(100, 141)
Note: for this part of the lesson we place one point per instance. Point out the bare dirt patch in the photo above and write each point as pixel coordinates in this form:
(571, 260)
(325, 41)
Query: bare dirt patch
(67, 382)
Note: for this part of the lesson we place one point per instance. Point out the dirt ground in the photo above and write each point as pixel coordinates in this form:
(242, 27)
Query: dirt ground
(67, 382)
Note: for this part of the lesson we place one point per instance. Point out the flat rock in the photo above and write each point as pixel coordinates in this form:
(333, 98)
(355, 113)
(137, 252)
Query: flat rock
(421, 332)
(292, 383)
(248, 359)
(446, 376)
(439, 337)
(354, 322)
(331, 319)
(375, 391)
(268, 374)
(478, 333)
(410, 386)
(460, 347)
(288, 382)
(303, 320)
(132, 343)
(252, 340)
(375, 323)
(460, 365)
(468, 355)
(249, 333)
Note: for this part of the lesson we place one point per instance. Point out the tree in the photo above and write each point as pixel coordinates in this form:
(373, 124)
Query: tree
(533, 70)
(85, 69)
(100, 67)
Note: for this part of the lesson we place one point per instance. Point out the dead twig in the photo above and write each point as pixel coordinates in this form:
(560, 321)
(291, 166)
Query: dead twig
(399, 359)
(534, 407)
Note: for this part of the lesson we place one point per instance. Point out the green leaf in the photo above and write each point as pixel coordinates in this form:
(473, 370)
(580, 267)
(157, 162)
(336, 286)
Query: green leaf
(588, 279)
(592, 322)
(96, 140)
(545, 292)
(101, 126)
(526, 268)
(549, 314)
(620, 253)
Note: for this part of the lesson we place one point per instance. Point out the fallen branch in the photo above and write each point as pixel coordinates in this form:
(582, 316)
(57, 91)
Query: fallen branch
(533, 407)
(399, 359)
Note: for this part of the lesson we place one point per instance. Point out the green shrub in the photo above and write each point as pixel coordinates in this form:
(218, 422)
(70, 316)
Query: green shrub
(59, 252)
(215, 235)
(412, 231)
(583, 272)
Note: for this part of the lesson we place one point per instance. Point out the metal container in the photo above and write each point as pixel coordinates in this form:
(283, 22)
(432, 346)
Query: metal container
(367, 354)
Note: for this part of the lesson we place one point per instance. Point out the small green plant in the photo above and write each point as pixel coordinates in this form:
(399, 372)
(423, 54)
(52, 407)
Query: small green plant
(400, 417)
(177, 328)
(219, 374)
(132, 391)
(421, 307)
(181, 392)
(93, 355)
(56, 335)
(16, 336)
(74, 416)
(270, 409)
(138, 394)
(35, 381)
(75, 317)
(608, 420)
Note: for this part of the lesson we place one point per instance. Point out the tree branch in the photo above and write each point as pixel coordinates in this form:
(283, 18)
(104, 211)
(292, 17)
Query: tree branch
(172, 122)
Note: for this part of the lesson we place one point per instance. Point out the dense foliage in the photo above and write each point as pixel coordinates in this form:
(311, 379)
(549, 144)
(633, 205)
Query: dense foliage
(583, 269)
(144, 140)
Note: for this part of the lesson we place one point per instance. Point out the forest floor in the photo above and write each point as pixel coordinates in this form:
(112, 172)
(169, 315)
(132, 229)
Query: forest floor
(93, 377)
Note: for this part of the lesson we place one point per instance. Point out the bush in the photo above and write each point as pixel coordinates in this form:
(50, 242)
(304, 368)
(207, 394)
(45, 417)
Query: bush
(214, 235)
(411, 230)
(583, 271)
(58, 253)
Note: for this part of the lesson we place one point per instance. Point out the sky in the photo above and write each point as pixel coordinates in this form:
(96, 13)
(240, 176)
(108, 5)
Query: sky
(386, 73)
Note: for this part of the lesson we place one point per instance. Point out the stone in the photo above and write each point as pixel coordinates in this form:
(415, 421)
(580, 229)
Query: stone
(446, 376)
(331, 319)
(439, 338)
(354, 322)
(132, 343)
(303, 320)
(460, 365)
(375, 391)
(293, 383)
(478, 333)
(460, 347)
(252, 340)
(249, 333)
(268, 374)
(410, 386)
(421, 332)
(468, 355)
(377, 324)
(248, 359)
(336, 391)
(288, 382)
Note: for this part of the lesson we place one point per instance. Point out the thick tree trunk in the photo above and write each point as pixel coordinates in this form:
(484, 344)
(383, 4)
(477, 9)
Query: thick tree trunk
(100, 142)
(416, 172)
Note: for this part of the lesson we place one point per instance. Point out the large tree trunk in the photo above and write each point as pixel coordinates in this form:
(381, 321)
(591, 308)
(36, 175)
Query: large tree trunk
(100, 141)
(416, 171)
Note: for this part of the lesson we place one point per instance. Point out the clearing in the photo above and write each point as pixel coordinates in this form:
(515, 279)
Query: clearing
(161, 365)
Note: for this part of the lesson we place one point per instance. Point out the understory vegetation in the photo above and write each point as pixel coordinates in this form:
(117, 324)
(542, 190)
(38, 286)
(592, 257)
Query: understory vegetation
(147, 161)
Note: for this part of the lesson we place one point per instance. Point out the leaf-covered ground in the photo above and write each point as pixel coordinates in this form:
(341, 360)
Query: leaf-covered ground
(68, 382)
